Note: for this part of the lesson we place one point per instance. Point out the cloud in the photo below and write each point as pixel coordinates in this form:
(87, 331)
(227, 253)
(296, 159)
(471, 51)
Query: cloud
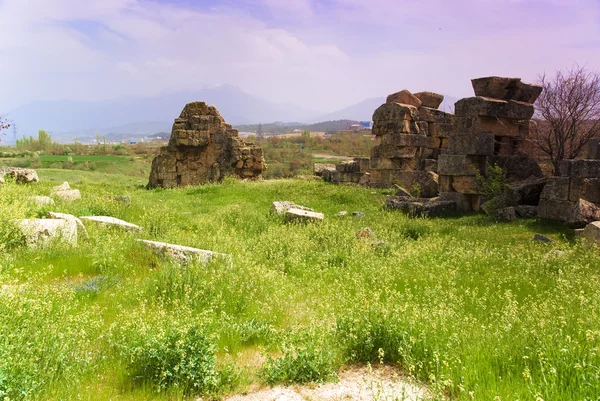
(322, 54)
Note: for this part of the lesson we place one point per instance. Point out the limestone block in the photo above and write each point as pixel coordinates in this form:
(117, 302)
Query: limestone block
(430, 165)
(298, 215)
(557, 189)
(404, 97)
(582, 213)
(319, 167)
(42, 232)
(42, 200)
(591, 232)
(459, 165)
(505, 214)
(526, 211)
(465, 184)
(183, 254)
(21, 175)
(445, 183)
(108, 221)
(429, 99)
(398, 163)
(526, 192)
(69, 195)
(411, 140)
(515, 168)
(432, 115)
(390, 151)
(390, 127)
(64, 216)
(478, 144)
(395, 112)
(441, 130)
(580, 168)
(483, 106)
(496, 125)
(348, 166)
(554, 210)
(462, 201)
(585, 188)
(506, 89)
(594, 148)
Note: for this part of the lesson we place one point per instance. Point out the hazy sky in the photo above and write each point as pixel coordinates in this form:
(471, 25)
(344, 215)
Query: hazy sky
(320, 54)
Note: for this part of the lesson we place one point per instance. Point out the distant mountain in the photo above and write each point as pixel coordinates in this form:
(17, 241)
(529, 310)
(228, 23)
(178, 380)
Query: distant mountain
(66, 119)
(363, 111)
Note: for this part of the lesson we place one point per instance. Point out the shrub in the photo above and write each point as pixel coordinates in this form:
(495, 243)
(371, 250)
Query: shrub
(494, 187)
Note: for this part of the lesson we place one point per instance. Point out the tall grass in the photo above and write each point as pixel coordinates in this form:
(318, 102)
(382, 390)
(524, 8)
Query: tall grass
(472, 308)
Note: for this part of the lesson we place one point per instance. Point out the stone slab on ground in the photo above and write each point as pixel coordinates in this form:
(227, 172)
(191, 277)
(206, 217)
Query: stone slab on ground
(591, 232)
(42, 200)
(68, 195)
(319, 167)
(299, 215)
(42, 232)
(64, 216)
(280, 207)
(355, 384)
(21, 175)
(112, 222)
(183, 254)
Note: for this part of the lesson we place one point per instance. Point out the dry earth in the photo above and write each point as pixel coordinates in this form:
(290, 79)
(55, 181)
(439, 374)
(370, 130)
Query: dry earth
(381, 383)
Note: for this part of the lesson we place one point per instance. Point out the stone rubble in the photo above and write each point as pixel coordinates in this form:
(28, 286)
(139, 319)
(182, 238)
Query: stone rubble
(183, 254)
(112, 222)
(42, 232)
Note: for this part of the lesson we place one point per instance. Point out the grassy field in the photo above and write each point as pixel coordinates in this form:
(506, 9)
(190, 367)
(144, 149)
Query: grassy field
(472, 308)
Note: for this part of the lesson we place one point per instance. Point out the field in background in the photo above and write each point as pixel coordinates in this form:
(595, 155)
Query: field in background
(471, 308)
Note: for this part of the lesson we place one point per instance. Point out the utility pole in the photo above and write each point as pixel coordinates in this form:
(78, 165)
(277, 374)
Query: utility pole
(259, 132)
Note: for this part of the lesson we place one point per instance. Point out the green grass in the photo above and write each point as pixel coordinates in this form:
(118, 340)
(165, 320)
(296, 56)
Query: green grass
(62, 158)
(473, 308)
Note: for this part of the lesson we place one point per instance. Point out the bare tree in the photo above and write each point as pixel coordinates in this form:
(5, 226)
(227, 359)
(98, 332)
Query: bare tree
(4, 124)
(569, 107)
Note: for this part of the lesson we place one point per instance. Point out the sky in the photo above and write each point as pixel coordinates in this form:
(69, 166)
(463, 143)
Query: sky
(319, 54)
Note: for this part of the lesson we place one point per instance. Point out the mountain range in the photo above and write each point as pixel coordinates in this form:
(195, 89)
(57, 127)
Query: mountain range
(138, 116)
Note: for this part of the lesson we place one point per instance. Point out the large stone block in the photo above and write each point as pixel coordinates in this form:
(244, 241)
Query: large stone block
(435, 116)
(462, 201)
(412, 140)
(506, 89)
(483, 106)
(591, 232)
(394, 127)
(583, 213)
(594, 148)
(459, 165)
(429, 99)
(348, 166)
(496, 125)
(557, 189)
(403, 163)
(465, 184)
(526, 192)
(583, 168)
(554, 209)
(515, 168)
(478, 145)
(395, 111)
(441, 130)
(404, 97)
(391, 152)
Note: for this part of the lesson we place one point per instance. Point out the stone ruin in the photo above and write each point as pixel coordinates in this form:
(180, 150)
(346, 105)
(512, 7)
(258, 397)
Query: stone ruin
(490, 129)
(203, 148)
(411, 133)
(574, 195)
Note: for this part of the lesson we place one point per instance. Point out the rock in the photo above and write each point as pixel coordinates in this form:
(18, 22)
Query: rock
(280, 207)
(404, 97)
(42, 232)
(68, 195)
(434, 207)
(484, 106)
(475, 145)
(580, 168)
(203, 148)
(358, 215)
(526, 211)
(81, 230)
(365, 233)
(42, 200)
(526, 192)
(348, 166)
(343, 213)
(459, 165)
(1, 179)
(515, 167)
(299, 215)
(594, 148)
(365, 180)
(430, 99)
(62, 187)
(582, 213)
(542, 238)
(319, 167)
(591, 232)
(578, 232)
(21, 175)
(505, 214)
(124, 199)
(506, 89)
(401, 192)
(183, 254)
(112, 222)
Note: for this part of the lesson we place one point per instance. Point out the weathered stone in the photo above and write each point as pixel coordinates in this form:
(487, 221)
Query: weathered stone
(394, 152)
(64, 216)
(203, 148)
(365, 180)
(429, 99)
(441, 130)
(542, 238)
(462, 201)
(358, 215)
(348, 166)
(382, 162)
(280, 207)
(505, 214)
(526, 211)
(526, 192)
(459, 165)
(42, 200)
(556, 189)
(399, 126)
(42, 232)
(401, 192)
(476, 145)
(62, 187)
(578, 232)
(394, 112)
(21, 175)
(69, 195)
(515, 168)
(585, 188)
(331, 175)
(594, 148)
(506, 89)
(499, 126)
(591, 232)
(431, 207)
(123, 199)
(430, 115)
(580, 168)
(430, 165)
(465, 184)
(483, 106)
(298, 215)
(112, 222)
(319, 167)
(554, 210)
(411, 140)
(183, 254)
(582, 213)
(404, 97)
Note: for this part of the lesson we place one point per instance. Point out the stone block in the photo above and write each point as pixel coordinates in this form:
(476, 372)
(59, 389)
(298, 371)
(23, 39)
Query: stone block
(391, 127)
(431, 115)
(583, 212)
(506, 89)
(465, 184)
(554, 209)
(462, 201)
(391, 152)
(395, 111)
(526, 211)
(411, 140)
(108, 221)
(477, 145)
(556, 189)
(430, 165)
(585, 188)
(505, 214)
(303, 216)
(584, 168)
(441, 130)
(429, 99)
(594, 148)
(459, 165)
(348, 166)
(319, 167)
(183, 254)
(591, 232)
(42, 232)
(445, 183)
(21, 175)
(404, 97)
(496, 125)
(526, 192)
(515, 168)
(483, 106)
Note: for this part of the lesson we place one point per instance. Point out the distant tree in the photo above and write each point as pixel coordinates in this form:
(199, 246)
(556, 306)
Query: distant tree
(4, 124)
(259, 132)
(569, 107)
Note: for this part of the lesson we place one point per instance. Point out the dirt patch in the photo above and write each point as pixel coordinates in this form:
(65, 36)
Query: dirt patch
(355, 384)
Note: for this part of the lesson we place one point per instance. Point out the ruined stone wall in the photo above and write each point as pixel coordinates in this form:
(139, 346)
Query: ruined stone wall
(489, 129)
(411, 134)
(203, 148)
